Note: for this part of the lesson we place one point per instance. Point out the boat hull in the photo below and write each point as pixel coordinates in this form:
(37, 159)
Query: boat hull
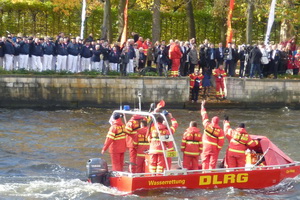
(253, 179)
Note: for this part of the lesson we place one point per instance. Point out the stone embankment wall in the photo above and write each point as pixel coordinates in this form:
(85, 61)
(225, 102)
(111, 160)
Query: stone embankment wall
(266, 91)
(79, 91)
(73, 91)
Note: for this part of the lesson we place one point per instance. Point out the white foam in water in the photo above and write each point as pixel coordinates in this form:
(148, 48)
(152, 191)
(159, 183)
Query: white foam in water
(59, 189)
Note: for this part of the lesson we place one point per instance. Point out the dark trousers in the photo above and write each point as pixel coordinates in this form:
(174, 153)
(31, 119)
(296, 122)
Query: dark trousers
(195, 93)
(242, 68)
(274, 68)
(255, 67)
(212, 64)
(229, 67)
(149, 63)
(123, 68)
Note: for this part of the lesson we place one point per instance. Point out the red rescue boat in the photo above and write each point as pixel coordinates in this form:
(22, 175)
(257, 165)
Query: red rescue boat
(270, 167)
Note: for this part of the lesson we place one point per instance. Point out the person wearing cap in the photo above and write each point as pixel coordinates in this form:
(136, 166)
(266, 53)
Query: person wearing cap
(116, 143)
(17, 47)
(24, 53)
(195, 84)
(131, 56)
(131, 128)
(9, 52)
(157, 161)
(212, 139)
(239, 142)
(37, 54)
(62, 55)
(114, 59)
(86, 55)
(49, 49)
(73, 49)
(191, 146)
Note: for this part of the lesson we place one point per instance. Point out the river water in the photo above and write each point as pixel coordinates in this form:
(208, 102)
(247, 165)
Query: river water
(43, 154)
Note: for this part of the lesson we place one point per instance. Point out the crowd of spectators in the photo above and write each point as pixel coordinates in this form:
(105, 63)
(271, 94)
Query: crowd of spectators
(75, 55)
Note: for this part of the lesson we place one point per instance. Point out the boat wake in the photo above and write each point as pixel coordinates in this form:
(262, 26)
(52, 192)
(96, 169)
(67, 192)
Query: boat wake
(286, 189)
(52, 188)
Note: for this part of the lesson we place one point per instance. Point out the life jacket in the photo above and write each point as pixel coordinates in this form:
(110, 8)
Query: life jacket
(115, 139)
(192, 142)
(142, 143)
(219, 74)
(240, 141)
(194, 78)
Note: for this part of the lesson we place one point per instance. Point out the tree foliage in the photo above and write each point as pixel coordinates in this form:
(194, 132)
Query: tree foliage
(48, 17)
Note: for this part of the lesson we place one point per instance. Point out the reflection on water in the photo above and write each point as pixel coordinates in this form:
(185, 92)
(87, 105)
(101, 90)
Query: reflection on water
(43, 153)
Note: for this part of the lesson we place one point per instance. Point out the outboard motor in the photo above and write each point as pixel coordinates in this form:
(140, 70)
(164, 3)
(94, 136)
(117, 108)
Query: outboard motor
(97, 171)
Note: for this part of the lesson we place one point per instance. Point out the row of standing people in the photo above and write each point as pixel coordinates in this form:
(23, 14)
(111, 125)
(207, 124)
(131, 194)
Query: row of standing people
(142, 139)
(63, 54)
(73, 55)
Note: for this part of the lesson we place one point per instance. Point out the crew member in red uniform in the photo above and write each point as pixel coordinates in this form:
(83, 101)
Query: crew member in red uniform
(142, 146)
(191, 146)
(116, 142)
(219, 75)
(131, 128)
(157, 160)
(195, 84)
(175, 55)
(239, 142)
(212, 139)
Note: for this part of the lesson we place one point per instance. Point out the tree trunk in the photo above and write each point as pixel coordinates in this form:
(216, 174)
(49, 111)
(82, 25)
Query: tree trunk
(121, 8)
(249, 24)
(33, 14)
(156, 27)
(190, 19)
(107, 26)
(222, 22)
(287, 29)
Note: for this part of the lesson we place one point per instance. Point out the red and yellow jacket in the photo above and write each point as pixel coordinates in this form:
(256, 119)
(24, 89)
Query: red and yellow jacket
(131, 128)
(213, 135)
(141, 141)
(193, 78)
(239, 139)
(191, 144)
(153, 138)
(219, 74)
(115, 139)
(175, 52)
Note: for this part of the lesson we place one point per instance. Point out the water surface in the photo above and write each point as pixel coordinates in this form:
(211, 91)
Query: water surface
(43, 153)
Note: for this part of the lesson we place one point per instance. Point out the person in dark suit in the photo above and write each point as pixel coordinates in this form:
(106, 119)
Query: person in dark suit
(255, 59)
(184, 62)
(242, 61)
(229, 59)
(275, 59)
(220, 55)
(211, 57)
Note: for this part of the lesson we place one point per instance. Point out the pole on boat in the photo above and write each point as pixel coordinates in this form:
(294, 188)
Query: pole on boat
(139, 96)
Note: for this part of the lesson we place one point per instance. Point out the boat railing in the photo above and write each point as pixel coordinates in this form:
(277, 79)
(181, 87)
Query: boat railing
(217, 170)
(170, 138)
